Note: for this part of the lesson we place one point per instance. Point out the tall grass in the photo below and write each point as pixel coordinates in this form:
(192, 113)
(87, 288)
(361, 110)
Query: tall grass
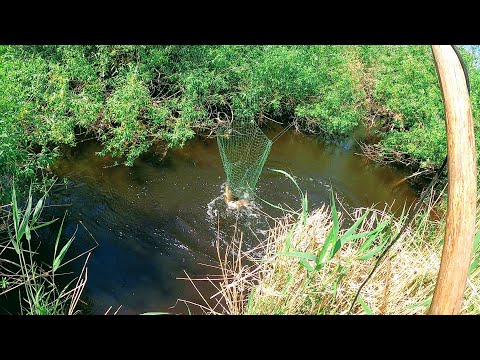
(22, 270)
(311, 264)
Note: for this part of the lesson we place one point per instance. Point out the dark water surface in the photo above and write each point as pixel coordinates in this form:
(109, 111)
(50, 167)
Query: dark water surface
(159, 218)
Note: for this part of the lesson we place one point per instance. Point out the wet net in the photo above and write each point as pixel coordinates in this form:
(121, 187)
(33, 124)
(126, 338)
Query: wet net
(244, 148)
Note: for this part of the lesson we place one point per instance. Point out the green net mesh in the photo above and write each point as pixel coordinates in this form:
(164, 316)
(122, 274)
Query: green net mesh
(244, 148)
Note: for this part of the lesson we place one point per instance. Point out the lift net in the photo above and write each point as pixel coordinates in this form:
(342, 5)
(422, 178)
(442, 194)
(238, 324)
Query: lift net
(244, 148)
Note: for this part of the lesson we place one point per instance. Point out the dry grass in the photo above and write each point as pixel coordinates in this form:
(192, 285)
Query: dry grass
(278, 284)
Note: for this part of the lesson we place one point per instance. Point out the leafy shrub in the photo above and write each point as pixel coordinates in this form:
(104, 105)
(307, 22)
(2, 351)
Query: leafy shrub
(131, 96)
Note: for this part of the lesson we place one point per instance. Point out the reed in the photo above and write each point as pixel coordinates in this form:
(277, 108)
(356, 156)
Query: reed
(21, 270)
(312, 264)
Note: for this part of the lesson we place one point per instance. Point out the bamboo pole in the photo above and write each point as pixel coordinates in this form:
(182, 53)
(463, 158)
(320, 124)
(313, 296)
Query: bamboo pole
(462, 184)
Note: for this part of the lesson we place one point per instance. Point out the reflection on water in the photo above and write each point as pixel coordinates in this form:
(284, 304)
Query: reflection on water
(158, 219)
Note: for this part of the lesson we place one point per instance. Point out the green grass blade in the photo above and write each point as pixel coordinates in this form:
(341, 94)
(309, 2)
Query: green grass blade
(288, 240)
(13, 240)
(306, 265)
(334, 214)
(334, 295)
(26, 217)
(365, 307)
(342, 272)
(36, 211)
(403, 213)
(476, 241)
(58, 260)
(371, 238)
(16, 219)
(358, 236)
(28, 235)
(476, 260)
(43, 224)
(321, 256)
(250, 301)
(276, 207)
(299, 255)
(348, 236)
(304, 209)
(372, 253)
(474, 265)
(423, 303)
(290, 177)
(332, 234)
(57, 240)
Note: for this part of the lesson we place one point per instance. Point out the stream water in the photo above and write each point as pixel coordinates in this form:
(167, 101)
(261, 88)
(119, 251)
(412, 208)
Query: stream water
(158, 220)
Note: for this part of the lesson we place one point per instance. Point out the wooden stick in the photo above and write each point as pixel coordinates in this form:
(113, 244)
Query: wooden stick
(409, 177)
(462, 184)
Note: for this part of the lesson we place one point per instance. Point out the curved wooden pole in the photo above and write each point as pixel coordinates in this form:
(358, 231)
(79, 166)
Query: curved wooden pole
(462, 184)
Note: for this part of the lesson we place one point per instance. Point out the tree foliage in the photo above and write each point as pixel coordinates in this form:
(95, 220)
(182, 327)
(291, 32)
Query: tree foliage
(131, 96)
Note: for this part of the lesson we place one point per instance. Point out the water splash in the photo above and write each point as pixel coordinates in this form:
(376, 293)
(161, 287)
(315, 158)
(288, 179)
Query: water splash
(224, 221)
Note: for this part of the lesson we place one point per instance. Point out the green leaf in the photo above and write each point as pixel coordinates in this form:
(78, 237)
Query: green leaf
(290, 177)
(43, 224)
(332, 234)
(372, 236)
(250, 300)
(58, 259)
(304, 209)
(299, 255)
(16, 219)
(37, 210)
(348, 236)
(365, 307)
(476, 241)
(372, 253)
(28, 235)
(306, 265)
(423, 303)
(26, 217)
(288, 240)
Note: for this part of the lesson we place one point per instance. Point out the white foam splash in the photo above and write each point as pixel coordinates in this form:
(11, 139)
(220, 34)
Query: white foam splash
(247, 217)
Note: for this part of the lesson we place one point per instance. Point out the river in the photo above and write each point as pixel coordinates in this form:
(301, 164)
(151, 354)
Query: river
(158, 220)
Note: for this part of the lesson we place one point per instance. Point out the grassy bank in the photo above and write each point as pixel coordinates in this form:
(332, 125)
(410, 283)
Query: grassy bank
(40, 288)
(310, 265)
(131, 96)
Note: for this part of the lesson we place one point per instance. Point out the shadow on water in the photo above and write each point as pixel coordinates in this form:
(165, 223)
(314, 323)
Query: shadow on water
(157, 219)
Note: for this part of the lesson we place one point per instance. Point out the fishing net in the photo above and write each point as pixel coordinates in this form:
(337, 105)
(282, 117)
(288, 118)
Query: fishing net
(244, 148)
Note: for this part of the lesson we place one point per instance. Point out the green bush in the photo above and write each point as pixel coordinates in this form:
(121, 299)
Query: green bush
(406, 85)
(131, 96)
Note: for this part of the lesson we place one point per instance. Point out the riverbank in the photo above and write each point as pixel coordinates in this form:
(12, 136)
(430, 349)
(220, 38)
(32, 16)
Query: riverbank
(289, 278)
(130, 97)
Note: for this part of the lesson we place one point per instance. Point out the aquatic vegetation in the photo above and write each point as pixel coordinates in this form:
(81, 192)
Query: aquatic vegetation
(37, 284)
